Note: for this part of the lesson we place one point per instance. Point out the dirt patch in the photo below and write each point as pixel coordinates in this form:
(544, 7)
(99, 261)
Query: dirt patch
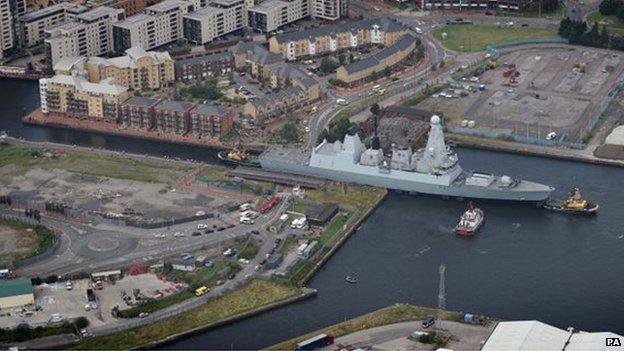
(15, 244)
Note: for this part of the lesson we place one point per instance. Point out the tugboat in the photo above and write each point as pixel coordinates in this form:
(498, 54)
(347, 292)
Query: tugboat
(573, 204)
(470, 221)
(351, 279)
(238, 157)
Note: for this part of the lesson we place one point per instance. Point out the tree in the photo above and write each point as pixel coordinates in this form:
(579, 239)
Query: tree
(565, 27)
(342, 59)
(610, 7)
(328, 65)
(374, 75)
(420, 53)
(375, 109)
(387, 71)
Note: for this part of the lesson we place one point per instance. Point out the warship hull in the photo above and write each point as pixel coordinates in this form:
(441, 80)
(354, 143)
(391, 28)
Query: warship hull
(525, 191)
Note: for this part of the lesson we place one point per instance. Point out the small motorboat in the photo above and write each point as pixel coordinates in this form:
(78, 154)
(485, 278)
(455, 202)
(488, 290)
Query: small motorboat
(573, 204)
(470, 221)
(351, 279)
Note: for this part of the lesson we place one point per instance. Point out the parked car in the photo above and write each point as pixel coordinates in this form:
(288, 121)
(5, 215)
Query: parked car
(143, 314)
(428, 321)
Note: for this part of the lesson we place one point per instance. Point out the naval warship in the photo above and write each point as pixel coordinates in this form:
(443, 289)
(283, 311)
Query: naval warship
(432, 170)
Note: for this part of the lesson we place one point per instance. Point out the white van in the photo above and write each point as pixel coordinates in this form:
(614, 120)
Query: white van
(246, 220)
(341, 101)
(244, 207)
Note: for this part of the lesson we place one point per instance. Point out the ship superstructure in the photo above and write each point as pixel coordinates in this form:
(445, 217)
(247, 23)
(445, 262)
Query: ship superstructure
(432, 170)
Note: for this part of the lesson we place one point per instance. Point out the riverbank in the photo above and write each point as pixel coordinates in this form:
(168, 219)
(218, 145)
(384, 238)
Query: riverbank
(250, 299)
(37, 118)
(530, 150)
(390, 315)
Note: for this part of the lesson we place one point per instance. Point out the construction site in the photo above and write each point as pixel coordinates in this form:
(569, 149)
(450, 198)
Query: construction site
(548, 93)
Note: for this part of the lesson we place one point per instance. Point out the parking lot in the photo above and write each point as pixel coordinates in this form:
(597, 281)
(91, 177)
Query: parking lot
(55, 298)
(558, 89)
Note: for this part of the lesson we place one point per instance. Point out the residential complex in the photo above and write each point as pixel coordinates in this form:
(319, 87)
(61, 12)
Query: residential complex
(333, 38)
(137, 70)
(388, 58)
(270, 15)
(130, 7)
(259, 60)
(32, 25)
(76, 97)
(220, 17)
(10, 10)
(277, 103)
(502, 5)
(330, 9)
(201, 120)
(159, 25)
(204, 66)
(88, 34)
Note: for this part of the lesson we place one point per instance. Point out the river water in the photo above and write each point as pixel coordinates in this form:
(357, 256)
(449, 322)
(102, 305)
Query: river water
(525, 263)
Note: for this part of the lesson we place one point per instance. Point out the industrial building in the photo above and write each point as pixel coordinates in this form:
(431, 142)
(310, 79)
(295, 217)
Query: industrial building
(16, 293)
(335, 38)
(320, 215)
(535, 335)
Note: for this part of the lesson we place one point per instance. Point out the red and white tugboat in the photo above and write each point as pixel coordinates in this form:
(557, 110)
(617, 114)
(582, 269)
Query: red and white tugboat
(470, 221)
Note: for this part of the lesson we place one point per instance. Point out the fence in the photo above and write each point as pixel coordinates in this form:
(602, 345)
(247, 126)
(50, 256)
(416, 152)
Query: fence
(527, 139)
(29, 221)
(495, 48)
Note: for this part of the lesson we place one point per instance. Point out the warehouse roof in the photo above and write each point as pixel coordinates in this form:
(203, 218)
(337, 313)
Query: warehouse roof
(385, 24)
(15, 287)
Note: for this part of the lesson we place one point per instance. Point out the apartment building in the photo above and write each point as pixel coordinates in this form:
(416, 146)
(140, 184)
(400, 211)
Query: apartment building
(209, 121)
(218, 18)
(390, 57)
(137, 70)
(255, 57)
(173, 116)
(288, 75)
(270, 15)
(330, 9)
(204, 66)
(160, 24)
(138, 112)
(130, 7)
(10, 11)
(502, 5)
(338, 37)
(88, 34)
(32, 25)
(76, 97)
(276, 104)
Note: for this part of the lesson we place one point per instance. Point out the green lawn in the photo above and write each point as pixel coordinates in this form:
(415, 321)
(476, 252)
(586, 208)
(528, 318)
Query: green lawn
(23, 158)
(249, 297)
(336, 225)
(614, 25)
(474, 38)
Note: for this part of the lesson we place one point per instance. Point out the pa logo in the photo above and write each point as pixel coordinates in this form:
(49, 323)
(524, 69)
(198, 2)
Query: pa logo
(613, 342)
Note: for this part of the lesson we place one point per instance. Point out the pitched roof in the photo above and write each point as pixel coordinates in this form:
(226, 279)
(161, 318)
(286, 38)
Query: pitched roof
(15, 287)
(371, 61)
(141, 101)
(385, 24)
(179, 106)
(203, 58)
(276, 97)
(212, 110)
(294, 73)
(255, 52)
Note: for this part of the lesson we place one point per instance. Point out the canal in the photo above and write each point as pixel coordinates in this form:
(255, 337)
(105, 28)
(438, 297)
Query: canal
(525, 263)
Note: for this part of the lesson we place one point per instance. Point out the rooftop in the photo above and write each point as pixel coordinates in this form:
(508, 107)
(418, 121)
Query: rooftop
(141, 101)
(276, 97)
(204, 58)
(14, 287)
(294, 73)
(268, 6)
(387, 25)
(44, 12)
(255, 52)
(371, 61)
(212, 110)
(166, 5)
(82, 85)
(96, 13)
(134, 21)
(178, 106)
(203, 13)
(68, 63)
(130, 59)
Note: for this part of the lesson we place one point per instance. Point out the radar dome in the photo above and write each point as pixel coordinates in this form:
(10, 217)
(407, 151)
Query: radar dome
(435, 119)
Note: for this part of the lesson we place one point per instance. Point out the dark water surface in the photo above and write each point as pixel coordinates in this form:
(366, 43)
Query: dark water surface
(525, 263)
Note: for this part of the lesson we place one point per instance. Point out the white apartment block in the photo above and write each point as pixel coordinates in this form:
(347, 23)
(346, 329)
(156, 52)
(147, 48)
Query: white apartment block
(161, 24)
(218, 18)
(32, 25)
(273, 14)
(88, 34)
(10, 10)
(329, 9)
